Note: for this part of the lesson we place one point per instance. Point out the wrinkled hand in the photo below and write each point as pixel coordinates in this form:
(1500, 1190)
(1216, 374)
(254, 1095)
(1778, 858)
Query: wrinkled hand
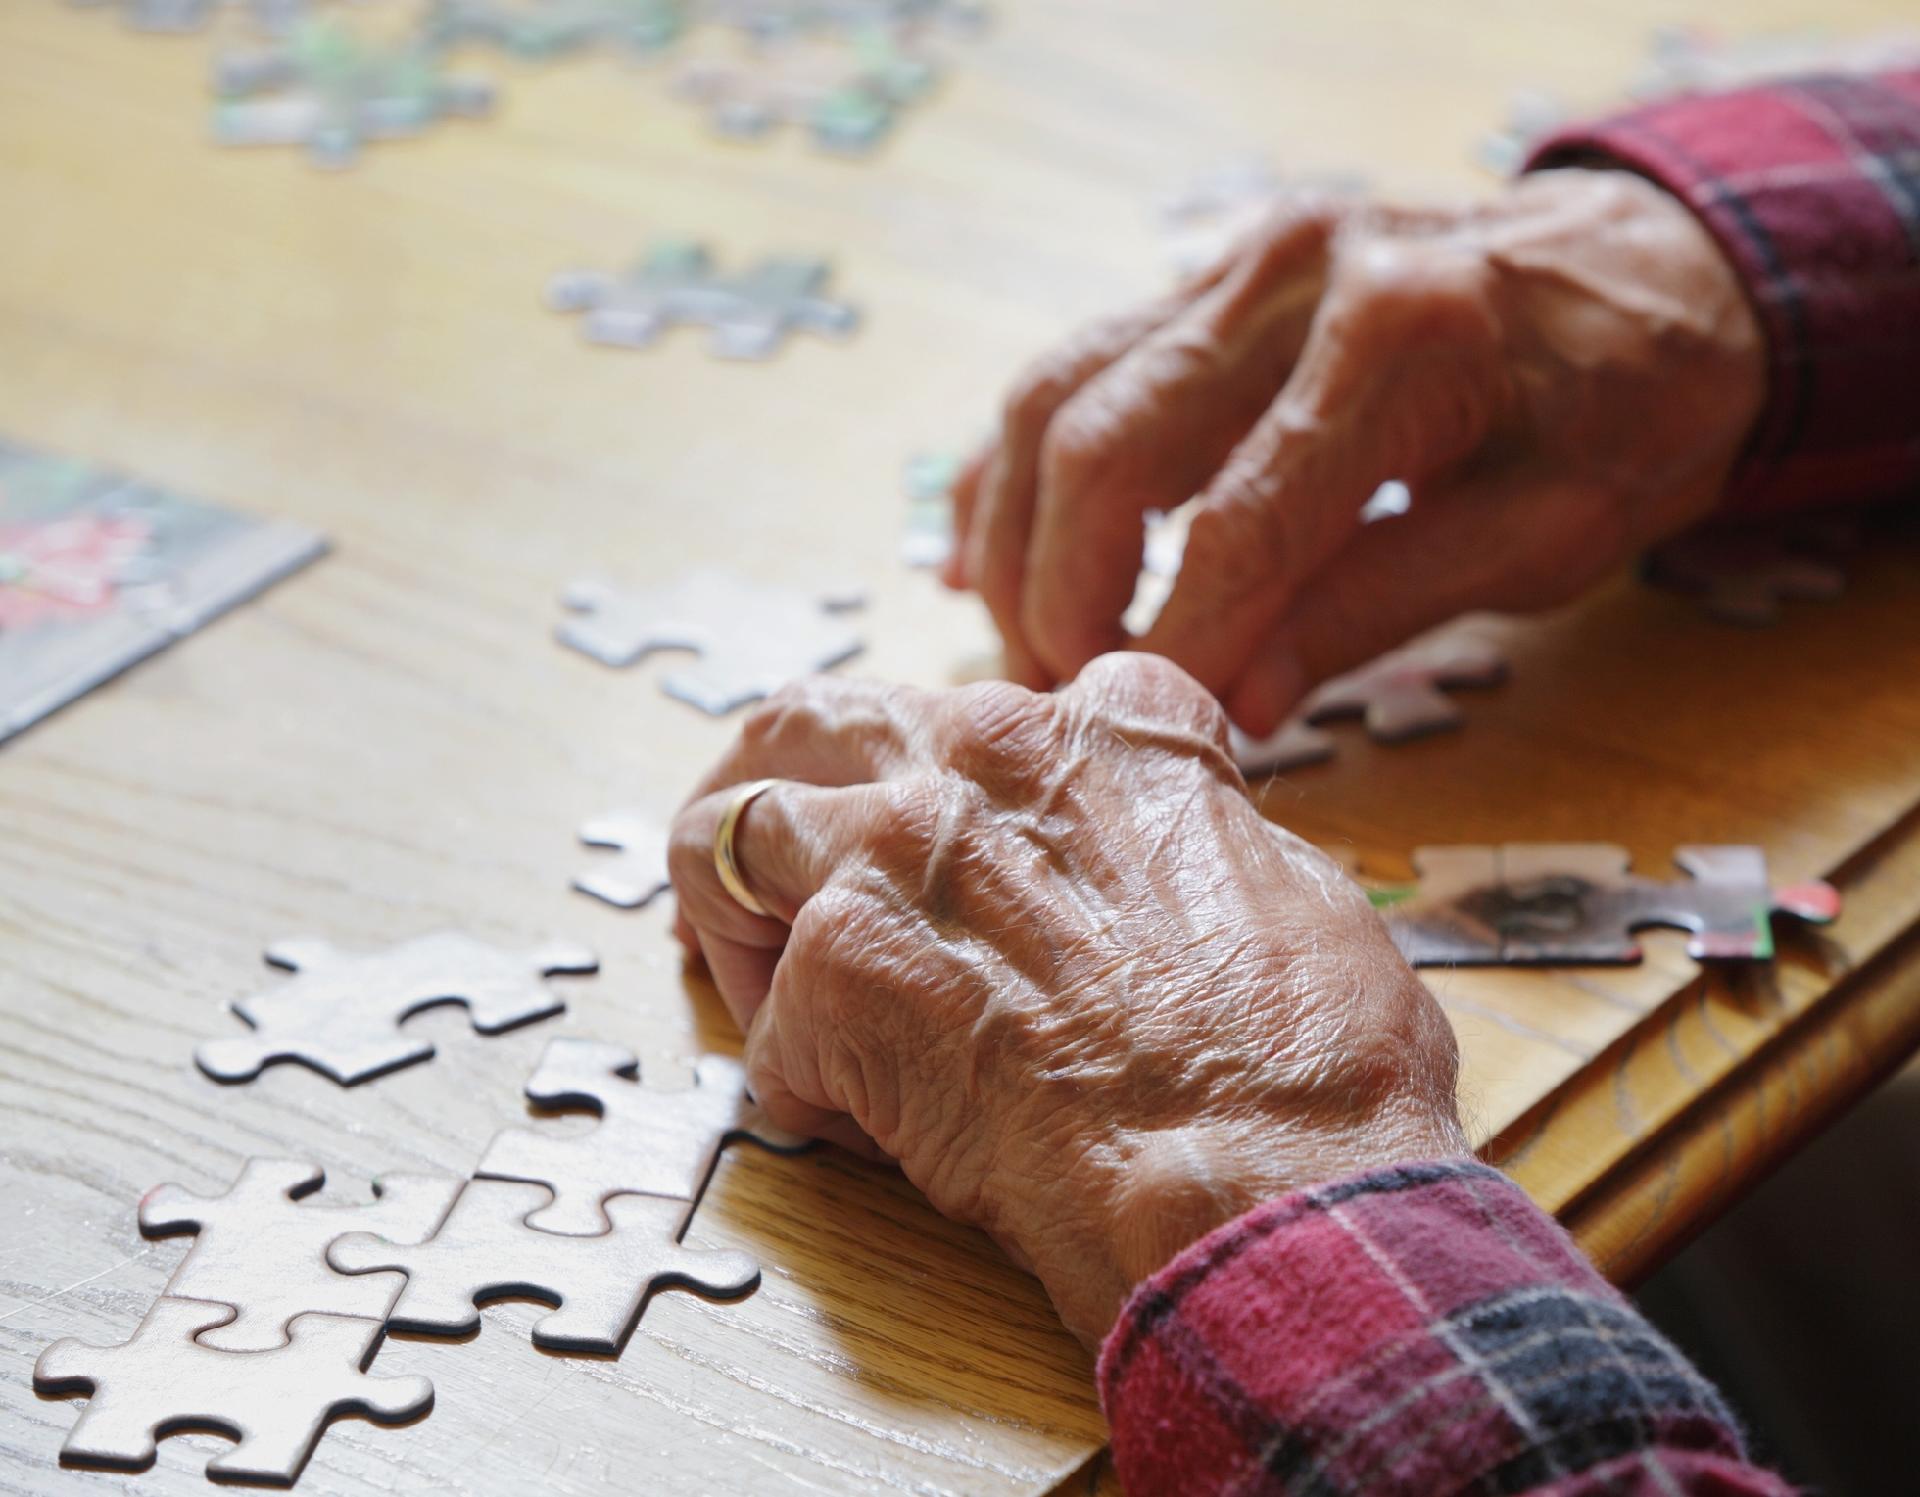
(1044, 952)
(1562, 374)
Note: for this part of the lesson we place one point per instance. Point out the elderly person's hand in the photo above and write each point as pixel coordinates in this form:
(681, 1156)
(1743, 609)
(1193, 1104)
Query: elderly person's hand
(1044, 952)
(1562, 374)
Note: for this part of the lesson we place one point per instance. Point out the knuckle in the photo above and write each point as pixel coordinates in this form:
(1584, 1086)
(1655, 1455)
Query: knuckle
(1130, 685)
(1001, 735)
(1036, 394)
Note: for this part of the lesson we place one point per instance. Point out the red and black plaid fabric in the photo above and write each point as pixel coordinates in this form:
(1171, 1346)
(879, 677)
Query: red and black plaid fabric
(1812, 187)
(1423, 1330)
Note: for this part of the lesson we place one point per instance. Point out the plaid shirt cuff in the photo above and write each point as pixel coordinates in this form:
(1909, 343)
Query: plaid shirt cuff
(1812, 188)
(1421, 1329)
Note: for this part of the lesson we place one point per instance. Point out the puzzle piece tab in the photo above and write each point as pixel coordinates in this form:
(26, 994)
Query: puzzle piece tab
(341, 1014)
(648, 1142)
(1536, 903)
(749, 315)
(1403, 693)
(275, 1403)
(259, 1249)
(484, 1250)
(752, 638)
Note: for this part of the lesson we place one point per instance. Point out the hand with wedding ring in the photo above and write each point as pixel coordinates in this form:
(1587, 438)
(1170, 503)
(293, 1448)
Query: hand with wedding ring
(1045, 953)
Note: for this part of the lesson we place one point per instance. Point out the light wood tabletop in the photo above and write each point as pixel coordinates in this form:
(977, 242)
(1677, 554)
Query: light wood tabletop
(391, 742)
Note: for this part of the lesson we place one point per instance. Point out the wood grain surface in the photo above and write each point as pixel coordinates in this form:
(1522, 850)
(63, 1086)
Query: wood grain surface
(391, 743)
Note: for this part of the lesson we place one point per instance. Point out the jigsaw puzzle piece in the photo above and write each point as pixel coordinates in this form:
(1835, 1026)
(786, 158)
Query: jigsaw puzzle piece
(274, 1403)
(1745, 576)
(649, 1141)
(341, 1013)
(1572, 902)
(1403, 694)
(484, 1250)
(1450, 918)
(753, 312)
(751, 639)
(259, 1249)
(1293, 745)
(639, 873)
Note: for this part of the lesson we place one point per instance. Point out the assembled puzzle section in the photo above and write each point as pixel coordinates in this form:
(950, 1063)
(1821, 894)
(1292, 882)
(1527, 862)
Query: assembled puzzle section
(1535, 903)
(341, 1013)
(752, 638)
(260, 1248)
(99, 571)
(275, 1403)
(649, 1141)
(485, 1250)
(675, 284)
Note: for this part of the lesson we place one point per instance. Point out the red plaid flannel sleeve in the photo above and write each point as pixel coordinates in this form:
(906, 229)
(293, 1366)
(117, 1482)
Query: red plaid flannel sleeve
(1812, 187)
(1423, 1329)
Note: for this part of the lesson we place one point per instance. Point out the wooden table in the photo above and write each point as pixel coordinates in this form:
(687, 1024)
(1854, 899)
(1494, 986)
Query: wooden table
(391, 742)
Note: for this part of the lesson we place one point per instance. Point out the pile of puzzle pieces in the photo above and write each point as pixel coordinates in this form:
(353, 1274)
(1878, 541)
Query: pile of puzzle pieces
(268, 1327)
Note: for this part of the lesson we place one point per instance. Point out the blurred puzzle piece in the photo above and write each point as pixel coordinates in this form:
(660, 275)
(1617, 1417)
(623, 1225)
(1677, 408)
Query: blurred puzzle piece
(341, 1013)
(1745, 575)
(1542, 903)
(639, 873)
(649, 1141)
(752, 638)
(274, 1403)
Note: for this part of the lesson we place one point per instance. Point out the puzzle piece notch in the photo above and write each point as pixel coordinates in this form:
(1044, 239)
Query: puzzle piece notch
(485, 1250)
(648, 1142)
(751, 638)
(676, 284)
(639, 874)
(1578, 904)
(274, 1403)
(259, 1248)
(341, 1012)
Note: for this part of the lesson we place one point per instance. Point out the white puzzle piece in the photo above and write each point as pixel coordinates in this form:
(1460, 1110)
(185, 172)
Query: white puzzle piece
(649, 1141)
(752, 638)
(260, 1249)
(274, 1403)
(341, 1014)
(484, 1250)
(636, 876)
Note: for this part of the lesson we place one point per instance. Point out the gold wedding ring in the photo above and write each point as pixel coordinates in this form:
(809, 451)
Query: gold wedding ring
(725, 863)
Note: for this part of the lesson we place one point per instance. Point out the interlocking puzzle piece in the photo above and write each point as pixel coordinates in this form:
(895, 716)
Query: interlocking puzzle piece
(675, 284)
(752, 638)
(1743, 576)
(275, 1403)
(639, 873)
(551, 28)
(1577, 903)
(648, 1142)
(485, 1250)
(262, 1251)
(1402, 694)
(327, 90)
(342, 1014)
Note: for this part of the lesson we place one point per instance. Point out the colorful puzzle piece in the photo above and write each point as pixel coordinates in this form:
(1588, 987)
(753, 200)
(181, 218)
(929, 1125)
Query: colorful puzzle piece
(640, 872)
(847, 105)
(1577, 903)
(326, 89)
(275, 1403)
(341, 1014)
(484, 1250)
(752, 638)
(649, 1142)
(748, 315)
(259, 1249)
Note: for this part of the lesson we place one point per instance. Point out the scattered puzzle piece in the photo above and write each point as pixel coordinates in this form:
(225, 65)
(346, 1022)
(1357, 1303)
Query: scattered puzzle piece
(342, 1014)
(484, 1250)
(639, 873)
(259, 1249)
(1744, 575)
(928, 482)
(327, 90)
(749, 315)
(1577, 903)
(648, 1142)
(1402, 694)
(191, 15)
(275, 1403)
(1293, 745)
(752, 638)
(551, 28)
(847, 105)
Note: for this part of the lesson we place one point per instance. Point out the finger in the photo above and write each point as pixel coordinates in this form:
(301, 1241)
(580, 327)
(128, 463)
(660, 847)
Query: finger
(1401, 378)
(966, 494)
(1152, 690)
(1511, 542)
(789, 841)
(1146, 432)
(1002, 511)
